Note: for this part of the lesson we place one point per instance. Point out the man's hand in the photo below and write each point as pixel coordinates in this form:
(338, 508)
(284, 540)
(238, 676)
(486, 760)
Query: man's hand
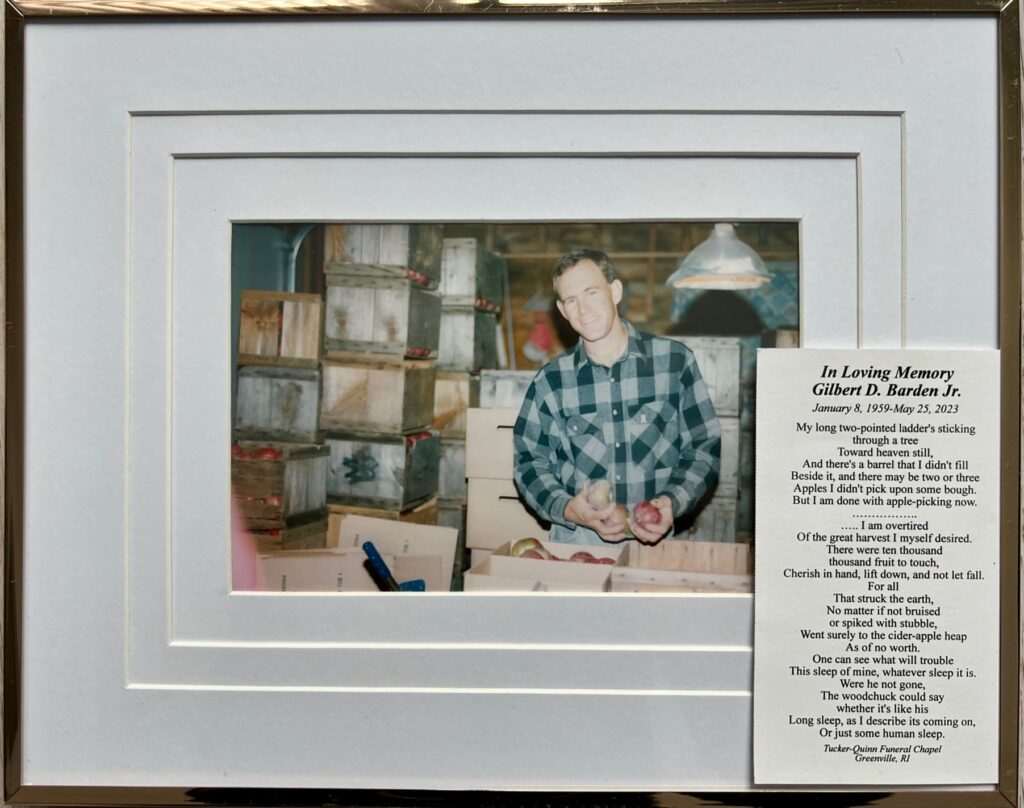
(654, 533)
(609, 523)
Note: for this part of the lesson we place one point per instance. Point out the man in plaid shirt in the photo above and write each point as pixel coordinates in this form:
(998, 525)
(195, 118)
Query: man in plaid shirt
(621, 406)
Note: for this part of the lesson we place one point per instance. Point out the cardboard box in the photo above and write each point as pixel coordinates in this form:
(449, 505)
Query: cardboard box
(403, 539)
(500, 572)
(476, 555)
(489, 449)
(684, 566)
(495, 514)
(406, 547)
(342, 571)
(425, 514)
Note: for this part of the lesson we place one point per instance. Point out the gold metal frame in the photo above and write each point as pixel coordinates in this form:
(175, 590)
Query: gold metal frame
(1010, 790)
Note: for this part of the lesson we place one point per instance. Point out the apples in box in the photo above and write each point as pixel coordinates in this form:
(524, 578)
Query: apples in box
(503, 572)
(675, 565)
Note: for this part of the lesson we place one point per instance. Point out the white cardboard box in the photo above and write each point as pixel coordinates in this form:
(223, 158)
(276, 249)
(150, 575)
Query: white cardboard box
(343, 570)
(403, 538)
(495, 514)
(489, 451)
(402, 544)
(500, 572)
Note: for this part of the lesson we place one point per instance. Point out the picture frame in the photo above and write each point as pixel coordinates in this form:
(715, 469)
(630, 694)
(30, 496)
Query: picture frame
(206, 174)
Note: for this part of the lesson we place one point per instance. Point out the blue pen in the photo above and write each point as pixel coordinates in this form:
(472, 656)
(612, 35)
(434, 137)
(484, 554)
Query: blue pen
(380, 570)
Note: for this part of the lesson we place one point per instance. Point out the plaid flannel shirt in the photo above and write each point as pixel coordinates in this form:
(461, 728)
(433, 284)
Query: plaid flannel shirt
(646, 424)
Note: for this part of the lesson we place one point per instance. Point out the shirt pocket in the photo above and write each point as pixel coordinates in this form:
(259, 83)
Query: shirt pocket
(589, 448)
(653, 429)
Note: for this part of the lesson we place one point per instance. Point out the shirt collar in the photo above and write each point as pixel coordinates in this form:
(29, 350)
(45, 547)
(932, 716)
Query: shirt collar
(634, 348)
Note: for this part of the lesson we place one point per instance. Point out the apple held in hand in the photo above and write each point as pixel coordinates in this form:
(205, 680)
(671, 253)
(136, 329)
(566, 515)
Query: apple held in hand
(646, 514)
(599, 495)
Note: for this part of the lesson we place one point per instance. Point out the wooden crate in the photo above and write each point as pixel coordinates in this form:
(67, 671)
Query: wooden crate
(454, 515)
(684, 566)
(451, 484)
(394, 472)
(728, 474)
(274, 493)
(716, 521)
(385, 397)
(468, 339)
(277, 404)
(504, 389)
(719, 361)
(411, 251)
(380, 316)
(454, 393)
(470, 275)
(308, 535)
(280, 328)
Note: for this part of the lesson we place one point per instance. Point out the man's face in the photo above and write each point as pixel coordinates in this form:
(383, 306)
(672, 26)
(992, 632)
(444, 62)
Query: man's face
(588, 301)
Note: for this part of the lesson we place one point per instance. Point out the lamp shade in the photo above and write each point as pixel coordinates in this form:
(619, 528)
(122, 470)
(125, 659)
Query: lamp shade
(721, 261)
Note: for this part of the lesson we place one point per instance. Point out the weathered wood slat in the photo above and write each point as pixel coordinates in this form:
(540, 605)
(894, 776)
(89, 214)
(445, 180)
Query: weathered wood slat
(280, 328)
(382, 471)
(382, 397)
(504, 389)
(380, 315)
(468, 340)
(470, 275)
(451, 484)
(278, 493)
(277, 404)
(309, 535)
(716, 521)
(454, 393)
(386, 250)
(719, 361)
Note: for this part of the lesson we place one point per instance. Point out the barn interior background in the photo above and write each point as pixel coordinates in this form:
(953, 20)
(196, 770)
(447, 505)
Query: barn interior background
(492, 338)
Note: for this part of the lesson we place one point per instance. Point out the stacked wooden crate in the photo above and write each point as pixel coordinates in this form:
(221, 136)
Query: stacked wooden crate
(278, 459)
(719, 361)
(381, 331)
(471, 292)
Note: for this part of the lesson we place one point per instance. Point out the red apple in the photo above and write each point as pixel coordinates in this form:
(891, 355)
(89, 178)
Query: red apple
(267, 453)
(533, 554)
(646, 514)
(582, 556)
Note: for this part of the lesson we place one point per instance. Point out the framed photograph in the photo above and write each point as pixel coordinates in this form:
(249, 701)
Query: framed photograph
(280, 283)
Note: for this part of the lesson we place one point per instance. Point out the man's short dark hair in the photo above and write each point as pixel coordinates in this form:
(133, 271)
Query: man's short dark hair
(573, 257)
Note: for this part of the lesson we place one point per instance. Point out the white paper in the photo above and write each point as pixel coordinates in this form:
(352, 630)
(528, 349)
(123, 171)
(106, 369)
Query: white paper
(876, 589)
